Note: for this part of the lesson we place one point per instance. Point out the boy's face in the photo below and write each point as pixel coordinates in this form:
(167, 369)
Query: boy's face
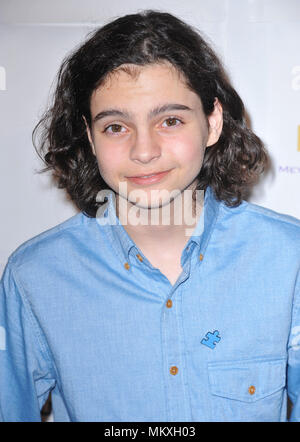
(134, 140)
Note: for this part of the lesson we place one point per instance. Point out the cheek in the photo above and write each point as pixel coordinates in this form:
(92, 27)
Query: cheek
(109, 161)
(190, 151)
(104, 161)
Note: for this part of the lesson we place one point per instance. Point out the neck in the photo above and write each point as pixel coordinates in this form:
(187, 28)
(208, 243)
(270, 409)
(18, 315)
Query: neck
(171, 224)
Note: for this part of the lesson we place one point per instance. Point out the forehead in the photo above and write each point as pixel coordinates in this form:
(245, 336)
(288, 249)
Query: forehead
(133, 73)
(142, 85)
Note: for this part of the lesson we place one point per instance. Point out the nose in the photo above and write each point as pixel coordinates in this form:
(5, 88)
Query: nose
(145, 148)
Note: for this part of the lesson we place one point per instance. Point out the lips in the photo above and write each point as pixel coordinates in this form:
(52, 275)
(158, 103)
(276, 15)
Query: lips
(149, 178)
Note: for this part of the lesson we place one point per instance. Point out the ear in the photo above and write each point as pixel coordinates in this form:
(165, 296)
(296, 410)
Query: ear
(89, 135)
(215, 122)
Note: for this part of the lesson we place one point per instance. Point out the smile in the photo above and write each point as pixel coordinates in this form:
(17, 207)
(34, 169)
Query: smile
(149, 179)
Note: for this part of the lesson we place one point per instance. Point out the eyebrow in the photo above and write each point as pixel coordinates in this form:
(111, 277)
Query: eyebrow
(153, 113)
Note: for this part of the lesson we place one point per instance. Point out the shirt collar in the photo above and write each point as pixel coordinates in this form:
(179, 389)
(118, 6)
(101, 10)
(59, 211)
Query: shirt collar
(122, 242)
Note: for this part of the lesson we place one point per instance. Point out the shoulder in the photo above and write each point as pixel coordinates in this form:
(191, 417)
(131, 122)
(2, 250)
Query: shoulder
(262, 221)
(51, 242)
(271, 216)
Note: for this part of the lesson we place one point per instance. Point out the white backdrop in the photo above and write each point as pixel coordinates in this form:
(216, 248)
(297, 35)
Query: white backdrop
(258, 41)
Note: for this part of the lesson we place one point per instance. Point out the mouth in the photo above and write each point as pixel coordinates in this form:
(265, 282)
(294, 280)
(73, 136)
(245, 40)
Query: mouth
(149, 178)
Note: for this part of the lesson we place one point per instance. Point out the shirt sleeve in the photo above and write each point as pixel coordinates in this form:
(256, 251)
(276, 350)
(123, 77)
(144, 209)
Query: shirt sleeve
(293, 372)
(26, 376)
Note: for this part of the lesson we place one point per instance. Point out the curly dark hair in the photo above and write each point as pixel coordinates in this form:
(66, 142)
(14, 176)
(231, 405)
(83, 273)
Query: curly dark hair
(230, 167)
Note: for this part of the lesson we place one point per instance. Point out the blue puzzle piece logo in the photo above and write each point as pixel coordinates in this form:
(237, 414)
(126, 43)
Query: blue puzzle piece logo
(211, 339)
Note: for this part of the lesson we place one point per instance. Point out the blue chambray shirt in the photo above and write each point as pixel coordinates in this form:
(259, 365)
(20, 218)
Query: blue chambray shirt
(103, 338)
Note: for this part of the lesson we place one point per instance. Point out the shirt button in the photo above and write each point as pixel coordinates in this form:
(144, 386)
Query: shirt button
(127, 266)
(201, 257)
(174, 370)
(251, 389)
(169, 303)
(139, 257)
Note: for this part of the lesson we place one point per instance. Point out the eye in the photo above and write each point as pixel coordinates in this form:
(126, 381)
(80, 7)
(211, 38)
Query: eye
(115, 129)
(171, 122)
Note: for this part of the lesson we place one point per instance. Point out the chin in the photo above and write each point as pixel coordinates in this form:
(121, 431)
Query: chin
(152, 205)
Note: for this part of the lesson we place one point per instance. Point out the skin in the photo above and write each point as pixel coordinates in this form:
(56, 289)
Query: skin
(174, 140)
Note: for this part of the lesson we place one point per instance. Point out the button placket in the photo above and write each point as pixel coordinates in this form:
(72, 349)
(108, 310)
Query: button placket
(172, 350)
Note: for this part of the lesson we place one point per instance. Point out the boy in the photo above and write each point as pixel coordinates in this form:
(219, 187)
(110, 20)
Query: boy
(130, 312)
